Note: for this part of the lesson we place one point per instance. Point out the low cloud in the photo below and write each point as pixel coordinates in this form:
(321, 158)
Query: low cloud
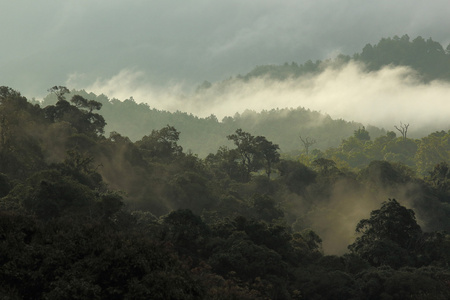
(197, 39)
(383, 98)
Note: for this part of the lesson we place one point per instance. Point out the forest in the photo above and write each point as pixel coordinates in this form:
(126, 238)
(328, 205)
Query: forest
(429, 58)
(203, 136)
(344, 212)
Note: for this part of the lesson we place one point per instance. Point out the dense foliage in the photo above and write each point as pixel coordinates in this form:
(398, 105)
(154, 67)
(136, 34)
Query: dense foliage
(86, 216)
(323, 209)
(283, 126)
(203, 136)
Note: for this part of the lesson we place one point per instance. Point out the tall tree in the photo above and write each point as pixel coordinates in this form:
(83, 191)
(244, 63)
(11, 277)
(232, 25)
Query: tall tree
(269, 153)
(59, 91)
(161, 144)
(403, 129)
(85, 121)
(248, 150)
(389, 234)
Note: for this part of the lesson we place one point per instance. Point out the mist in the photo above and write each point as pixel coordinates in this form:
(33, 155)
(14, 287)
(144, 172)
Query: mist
(383, 98)
(174, 41)
(334, 218)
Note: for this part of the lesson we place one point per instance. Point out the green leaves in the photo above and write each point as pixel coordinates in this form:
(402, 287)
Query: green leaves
(389, 236)
(362, 134)
(161, 144)
(85, 121)
(255, 152)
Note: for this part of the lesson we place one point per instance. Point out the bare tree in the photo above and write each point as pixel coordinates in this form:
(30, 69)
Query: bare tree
(307, 142)
(403, 129)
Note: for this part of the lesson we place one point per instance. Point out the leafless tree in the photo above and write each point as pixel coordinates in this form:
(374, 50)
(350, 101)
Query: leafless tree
(307, 142)
(403, 129)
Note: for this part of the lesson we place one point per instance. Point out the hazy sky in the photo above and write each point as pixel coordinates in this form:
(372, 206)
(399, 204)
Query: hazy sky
(54, 42)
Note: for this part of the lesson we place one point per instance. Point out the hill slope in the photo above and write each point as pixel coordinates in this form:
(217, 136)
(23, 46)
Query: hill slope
(205, 135)
(283, 126)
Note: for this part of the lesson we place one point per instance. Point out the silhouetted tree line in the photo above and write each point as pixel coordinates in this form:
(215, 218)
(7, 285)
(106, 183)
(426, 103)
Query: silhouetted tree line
(86, 216)
(429, 58)
(204, 135)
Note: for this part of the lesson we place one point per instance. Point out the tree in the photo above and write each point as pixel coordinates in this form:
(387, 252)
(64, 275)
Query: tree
(189, 190)
(403, 129)
(362, 134)
(48, 194)
(225, 163)
(161, 144)
(21, 127)
(296, 176)
(440, 174)
(433, 149)
(240, 256)
(82, 102)
(439, 178)
(269, 153)
(384, 174)
(247, 148)
(255, 152)
(59, 91)
(391, 135)
(266, 208)
(388, 236)
(325, 165)
(85, 121)
(307, 142)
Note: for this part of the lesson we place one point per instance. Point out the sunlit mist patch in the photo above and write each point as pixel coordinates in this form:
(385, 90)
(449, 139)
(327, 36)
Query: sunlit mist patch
(383, 98)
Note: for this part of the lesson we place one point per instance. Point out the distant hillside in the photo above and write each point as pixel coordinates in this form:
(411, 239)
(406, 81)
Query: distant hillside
(205, 135)
(427, 57)
(282, 126)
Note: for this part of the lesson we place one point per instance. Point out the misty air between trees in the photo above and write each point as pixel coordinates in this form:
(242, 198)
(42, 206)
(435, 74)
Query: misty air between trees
(326, 180)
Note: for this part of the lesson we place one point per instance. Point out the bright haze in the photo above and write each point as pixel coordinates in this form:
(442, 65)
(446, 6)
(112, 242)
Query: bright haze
(159, 51)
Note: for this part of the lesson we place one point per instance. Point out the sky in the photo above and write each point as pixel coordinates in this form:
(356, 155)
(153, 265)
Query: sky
(154, 46)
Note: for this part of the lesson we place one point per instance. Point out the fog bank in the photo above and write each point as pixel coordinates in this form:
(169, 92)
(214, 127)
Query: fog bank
(383, 98)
